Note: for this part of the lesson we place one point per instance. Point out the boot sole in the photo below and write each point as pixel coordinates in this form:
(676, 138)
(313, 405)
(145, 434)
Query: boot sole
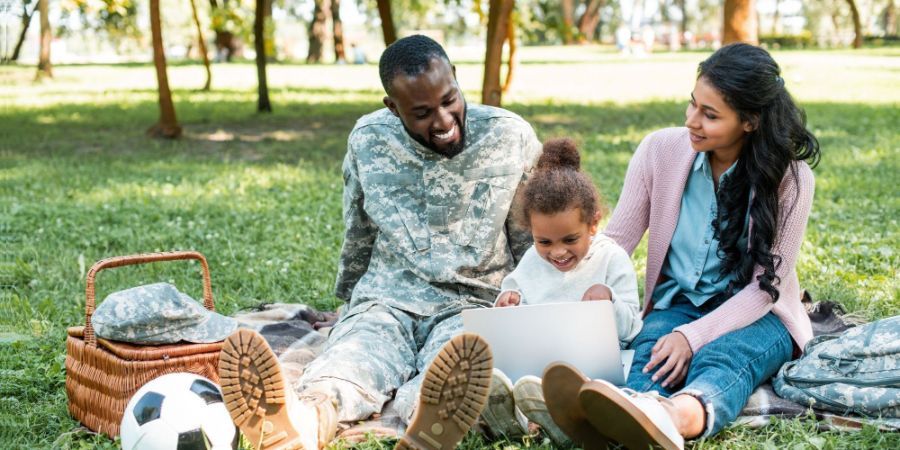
(454, 392)
(561, 384)
(625, 423)
(253, 387)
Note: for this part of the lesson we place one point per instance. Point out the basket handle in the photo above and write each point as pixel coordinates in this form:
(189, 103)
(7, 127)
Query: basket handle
(119, 261)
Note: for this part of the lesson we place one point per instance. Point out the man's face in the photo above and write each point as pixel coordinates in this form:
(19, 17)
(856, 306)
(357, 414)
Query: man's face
(431, 107)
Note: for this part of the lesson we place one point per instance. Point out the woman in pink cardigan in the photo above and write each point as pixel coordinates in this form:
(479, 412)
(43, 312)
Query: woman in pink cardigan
(726, 200)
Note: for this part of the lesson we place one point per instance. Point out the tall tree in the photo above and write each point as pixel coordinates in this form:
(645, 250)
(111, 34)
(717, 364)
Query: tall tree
(26, 22)
(740, 22)
(202, 42)
(682, 6)
(317, 31)
(857, 25)
(387, 22)
(227, 43)
(44, 68)
(167, 126)
(337, 31)
(568, 21)
(590, 20)
(259, 44)
(499, 17)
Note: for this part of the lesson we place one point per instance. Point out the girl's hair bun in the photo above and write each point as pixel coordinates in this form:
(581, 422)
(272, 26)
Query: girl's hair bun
(560, 153)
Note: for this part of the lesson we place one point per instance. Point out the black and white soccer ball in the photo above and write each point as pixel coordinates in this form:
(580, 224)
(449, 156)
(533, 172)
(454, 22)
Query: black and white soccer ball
(179, 411)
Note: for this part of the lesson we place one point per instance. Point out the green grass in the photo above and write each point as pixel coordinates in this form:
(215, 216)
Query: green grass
(259, 195)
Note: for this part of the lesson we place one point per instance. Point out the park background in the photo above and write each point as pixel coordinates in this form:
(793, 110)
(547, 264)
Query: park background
(92, 166)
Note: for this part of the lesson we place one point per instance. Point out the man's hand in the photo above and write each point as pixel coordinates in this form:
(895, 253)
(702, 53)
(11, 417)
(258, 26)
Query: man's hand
(597, 292)
(508, 298)
(674, 352)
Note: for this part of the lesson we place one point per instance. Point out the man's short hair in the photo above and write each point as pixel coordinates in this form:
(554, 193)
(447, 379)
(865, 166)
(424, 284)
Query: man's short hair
(410, 55)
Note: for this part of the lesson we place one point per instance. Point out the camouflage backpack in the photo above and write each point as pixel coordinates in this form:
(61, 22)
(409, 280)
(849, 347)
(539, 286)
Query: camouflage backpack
(857, 371)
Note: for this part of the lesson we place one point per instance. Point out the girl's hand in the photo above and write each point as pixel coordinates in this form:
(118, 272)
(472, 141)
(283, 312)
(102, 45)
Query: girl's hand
(597, 292)
(508, 298)
(674, 351)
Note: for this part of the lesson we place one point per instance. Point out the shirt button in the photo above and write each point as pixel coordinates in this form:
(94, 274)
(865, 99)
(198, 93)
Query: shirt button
(697, 273)
(706, 241)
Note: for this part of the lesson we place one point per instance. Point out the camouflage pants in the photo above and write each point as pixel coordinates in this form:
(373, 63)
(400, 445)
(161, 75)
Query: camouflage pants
(374, 351)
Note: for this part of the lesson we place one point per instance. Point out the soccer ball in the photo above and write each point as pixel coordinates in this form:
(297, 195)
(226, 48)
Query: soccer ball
(179, 411)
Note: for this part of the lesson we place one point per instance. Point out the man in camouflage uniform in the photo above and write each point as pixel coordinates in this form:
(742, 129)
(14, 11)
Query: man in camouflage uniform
(429, 184)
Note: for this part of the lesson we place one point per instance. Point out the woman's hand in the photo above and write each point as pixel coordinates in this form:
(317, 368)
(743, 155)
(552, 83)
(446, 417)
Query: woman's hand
(674, 352)
(508, 298)
(597, 292)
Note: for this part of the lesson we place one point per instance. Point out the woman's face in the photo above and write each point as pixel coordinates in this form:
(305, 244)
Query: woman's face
(713, 124)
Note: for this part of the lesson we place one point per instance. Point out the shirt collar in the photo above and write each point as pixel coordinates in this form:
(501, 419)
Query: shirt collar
(701, 162)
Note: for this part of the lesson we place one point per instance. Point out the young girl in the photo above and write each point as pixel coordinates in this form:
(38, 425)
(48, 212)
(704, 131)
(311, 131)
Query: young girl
(726, 200)
(568, 262)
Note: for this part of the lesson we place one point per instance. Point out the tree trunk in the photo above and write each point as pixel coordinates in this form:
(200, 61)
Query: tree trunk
(259, 44)
(499, 13)
(776, 19)
(568, 19)
(740, 22)
(590, 20)
(44, 68)
(511, 63)
(890, 19)
(387, 22)
(684, 16)
(202, 43)
(857, 25)
(26, 22)
(167, 126)
(317, 31)
(337, 27)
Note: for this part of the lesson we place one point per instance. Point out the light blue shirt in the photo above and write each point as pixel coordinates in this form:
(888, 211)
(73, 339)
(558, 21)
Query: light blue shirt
(692, 264)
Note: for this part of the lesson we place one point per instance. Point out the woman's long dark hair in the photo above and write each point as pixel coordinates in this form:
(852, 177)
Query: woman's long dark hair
(750, 82)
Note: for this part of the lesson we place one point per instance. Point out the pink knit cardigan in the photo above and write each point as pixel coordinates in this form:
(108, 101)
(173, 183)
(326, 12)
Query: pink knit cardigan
(651, 198)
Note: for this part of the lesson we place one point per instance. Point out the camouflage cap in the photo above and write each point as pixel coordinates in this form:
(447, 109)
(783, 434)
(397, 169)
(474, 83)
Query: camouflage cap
(158, 314)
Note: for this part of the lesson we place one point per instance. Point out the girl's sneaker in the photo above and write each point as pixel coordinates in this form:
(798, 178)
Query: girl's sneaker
(530, 400)
(633, 419)
(500, 414)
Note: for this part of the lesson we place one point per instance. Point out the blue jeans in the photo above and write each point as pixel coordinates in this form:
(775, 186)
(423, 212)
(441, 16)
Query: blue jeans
(724, 372)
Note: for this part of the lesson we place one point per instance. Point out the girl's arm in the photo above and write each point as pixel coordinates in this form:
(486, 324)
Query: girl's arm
(622, 281)
(751, 303)
(631, 216)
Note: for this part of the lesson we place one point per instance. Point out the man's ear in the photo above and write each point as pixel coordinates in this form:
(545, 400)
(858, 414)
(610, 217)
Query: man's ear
(389, 103)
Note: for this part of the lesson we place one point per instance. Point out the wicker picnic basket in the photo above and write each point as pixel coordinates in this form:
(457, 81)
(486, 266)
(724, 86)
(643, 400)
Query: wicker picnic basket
(102, 375)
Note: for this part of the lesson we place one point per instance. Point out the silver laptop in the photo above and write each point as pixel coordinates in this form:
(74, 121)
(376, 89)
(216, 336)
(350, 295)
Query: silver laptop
(525, 339)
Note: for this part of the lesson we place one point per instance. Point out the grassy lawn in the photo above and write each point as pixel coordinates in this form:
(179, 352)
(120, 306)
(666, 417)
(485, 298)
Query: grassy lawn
(260, 195)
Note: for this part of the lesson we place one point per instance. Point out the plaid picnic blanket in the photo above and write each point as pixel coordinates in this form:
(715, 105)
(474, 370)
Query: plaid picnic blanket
(291, 331)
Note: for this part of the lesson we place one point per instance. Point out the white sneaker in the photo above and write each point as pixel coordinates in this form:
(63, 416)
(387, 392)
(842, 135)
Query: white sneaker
(529, 397)
(635, 420)
(501, 415)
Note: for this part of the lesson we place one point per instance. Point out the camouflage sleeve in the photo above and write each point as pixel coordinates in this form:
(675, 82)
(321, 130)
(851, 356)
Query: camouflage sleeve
(520, 237)
(359, 233)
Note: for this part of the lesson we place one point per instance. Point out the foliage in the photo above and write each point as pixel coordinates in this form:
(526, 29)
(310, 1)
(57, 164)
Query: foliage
(260, 196)
(117, 19)
(776, 41)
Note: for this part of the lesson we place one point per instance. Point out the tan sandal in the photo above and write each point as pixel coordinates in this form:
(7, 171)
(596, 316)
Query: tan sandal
(561, 383)
(454, 392)
(635, 420)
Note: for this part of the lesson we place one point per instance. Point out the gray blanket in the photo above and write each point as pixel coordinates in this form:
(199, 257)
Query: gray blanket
(291, 330)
